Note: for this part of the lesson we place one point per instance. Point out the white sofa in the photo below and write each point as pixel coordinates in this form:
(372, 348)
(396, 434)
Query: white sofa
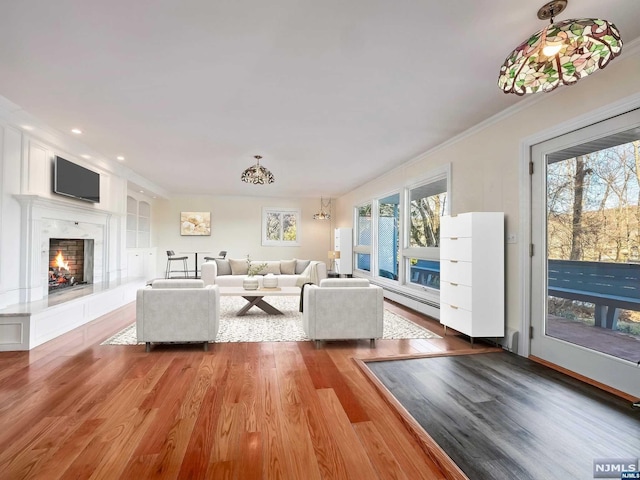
(343, 309)
(289, 273)
(177, 311)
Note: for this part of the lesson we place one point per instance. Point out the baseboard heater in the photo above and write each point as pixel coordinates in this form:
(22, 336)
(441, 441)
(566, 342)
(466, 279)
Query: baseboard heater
(408, 295)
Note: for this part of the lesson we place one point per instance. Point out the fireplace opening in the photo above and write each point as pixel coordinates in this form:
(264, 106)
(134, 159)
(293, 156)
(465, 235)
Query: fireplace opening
(70, 263)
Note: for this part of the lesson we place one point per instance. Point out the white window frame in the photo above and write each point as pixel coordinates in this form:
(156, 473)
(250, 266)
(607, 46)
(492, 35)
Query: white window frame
(266, 211)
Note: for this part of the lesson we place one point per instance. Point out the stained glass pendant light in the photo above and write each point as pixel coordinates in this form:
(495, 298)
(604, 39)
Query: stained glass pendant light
(560, 54)
(257, 174)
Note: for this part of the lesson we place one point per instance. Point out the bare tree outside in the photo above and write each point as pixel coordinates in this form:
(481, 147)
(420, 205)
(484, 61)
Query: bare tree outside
(425, 220)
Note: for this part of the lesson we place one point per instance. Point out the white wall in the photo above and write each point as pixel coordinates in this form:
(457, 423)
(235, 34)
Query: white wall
(486, 161)
(236, 227)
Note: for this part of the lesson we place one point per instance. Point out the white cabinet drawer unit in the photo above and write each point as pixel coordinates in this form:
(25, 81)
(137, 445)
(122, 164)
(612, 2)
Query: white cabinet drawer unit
(472, 274)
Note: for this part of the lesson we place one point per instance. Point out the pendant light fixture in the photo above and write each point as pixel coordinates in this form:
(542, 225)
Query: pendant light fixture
(257, 174)
(560, 54)
(322, 215)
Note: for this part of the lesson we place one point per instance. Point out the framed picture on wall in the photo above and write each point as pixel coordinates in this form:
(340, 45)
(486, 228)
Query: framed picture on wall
(195, 223)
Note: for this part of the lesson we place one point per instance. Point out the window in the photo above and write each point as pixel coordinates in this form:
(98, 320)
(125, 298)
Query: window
(427, 202)
(398, 234)
(362, 248)
(280, 227)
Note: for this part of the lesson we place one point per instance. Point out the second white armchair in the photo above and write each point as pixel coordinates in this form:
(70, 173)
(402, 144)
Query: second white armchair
(343, 309)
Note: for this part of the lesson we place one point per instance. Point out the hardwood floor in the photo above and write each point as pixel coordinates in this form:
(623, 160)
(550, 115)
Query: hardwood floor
(73, 408)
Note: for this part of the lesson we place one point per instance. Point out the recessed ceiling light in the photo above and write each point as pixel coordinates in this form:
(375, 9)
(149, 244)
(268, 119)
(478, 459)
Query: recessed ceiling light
(77, 131)
(120, 157)
(86, 156)
(27, 127)
(141, 191)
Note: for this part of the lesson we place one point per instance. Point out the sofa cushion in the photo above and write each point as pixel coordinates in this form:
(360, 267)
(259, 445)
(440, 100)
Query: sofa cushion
(344, 282)
(238, 266)
(224, 268)
(288, 267)
(301, 265)
(171, 283)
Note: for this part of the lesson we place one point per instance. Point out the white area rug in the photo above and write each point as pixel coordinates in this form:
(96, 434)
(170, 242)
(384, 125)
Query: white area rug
(257, 326)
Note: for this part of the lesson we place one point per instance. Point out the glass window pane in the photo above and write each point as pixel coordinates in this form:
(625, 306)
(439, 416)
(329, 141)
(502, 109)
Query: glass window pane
(363, 261)
(388, 236)
(593, 243)
(364, 225)
(289, 227)
(427, 205)
(273, 226)
(425, 273)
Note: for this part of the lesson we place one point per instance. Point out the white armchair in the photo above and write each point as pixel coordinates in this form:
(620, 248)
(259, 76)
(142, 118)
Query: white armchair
(342, 309)
(177, 311)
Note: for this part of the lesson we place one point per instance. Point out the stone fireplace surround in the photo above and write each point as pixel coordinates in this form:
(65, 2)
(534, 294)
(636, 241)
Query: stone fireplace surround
(36, 319)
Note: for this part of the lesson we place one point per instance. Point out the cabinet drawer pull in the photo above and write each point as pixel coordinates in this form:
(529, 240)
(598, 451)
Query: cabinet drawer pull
(453, 284)
(454, 238)
(453, 261)
(454, 307)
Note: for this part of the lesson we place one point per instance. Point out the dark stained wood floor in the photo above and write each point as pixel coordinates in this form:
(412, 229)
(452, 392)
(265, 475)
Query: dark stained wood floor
(72, 408)
(500, 416)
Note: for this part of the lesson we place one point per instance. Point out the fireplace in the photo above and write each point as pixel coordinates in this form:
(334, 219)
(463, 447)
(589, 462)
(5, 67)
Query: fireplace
(70, 263)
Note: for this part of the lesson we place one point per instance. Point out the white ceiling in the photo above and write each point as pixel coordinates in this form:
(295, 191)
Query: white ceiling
(331, 93)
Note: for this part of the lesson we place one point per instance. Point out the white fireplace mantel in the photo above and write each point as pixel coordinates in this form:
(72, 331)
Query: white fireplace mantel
(43, 218)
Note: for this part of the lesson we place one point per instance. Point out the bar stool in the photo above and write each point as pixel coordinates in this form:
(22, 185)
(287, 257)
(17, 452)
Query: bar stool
(222, 254)
(171, 256)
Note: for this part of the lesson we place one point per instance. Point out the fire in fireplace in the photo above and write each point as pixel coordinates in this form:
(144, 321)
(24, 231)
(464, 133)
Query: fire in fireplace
(60, 275)
(68, 262)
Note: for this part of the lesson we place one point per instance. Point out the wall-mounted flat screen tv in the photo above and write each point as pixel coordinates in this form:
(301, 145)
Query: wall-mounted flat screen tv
(75, 181)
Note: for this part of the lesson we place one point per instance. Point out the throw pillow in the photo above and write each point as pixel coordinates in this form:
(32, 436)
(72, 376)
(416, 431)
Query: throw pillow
(257, 263)
(301, 265)
(288, 267)
(224, 268)
(272, 267)
(238, 266)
